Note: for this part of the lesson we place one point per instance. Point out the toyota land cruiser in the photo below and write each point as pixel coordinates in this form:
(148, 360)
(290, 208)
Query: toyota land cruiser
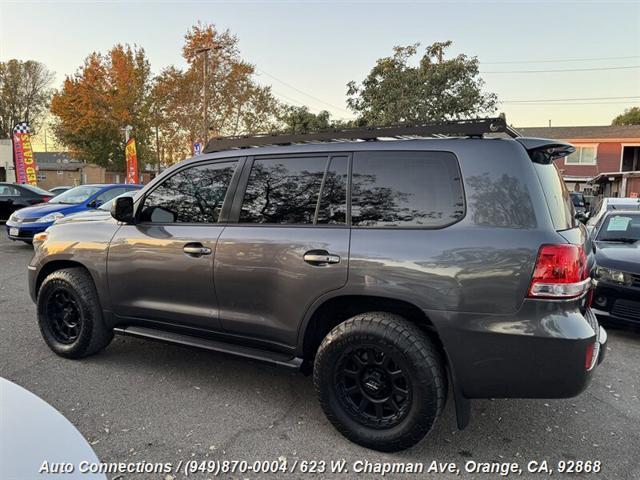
(393, 268)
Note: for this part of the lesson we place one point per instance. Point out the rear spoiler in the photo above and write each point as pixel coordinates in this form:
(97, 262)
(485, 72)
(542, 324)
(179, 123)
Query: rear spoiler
(543, 150)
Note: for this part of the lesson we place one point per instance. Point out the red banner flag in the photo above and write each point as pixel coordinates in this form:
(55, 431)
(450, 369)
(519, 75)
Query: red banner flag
(23, 159)
(132, 162)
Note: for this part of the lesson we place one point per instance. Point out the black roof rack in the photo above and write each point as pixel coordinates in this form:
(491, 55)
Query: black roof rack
(456, 128)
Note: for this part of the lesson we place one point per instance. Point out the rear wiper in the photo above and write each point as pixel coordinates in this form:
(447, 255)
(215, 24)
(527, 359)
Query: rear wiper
(620, 239)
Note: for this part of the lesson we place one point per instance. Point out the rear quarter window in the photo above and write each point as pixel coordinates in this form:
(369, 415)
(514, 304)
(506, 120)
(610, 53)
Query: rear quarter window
(557, 196)
(406, 189)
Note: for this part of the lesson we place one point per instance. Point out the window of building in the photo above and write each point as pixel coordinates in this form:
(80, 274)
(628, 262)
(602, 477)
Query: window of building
(284, 191)
(193, 195)
(406, 189)
(584, 155)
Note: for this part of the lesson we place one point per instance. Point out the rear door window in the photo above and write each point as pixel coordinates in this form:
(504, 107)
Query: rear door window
(557, 196)
(406, 189)
(283, 190)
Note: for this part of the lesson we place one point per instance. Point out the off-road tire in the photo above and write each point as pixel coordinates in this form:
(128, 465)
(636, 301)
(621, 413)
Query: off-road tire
(414, 352)
(76, 284)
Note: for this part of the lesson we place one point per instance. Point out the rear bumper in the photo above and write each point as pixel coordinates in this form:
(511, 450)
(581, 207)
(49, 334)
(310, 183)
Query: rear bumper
(540, 352)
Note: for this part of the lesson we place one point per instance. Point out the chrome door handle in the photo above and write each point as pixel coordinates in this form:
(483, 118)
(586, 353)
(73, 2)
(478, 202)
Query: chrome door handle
(321, 258)
(196, 250)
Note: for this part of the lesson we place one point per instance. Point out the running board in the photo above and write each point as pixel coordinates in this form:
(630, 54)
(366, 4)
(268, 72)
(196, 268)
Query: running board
(274, 358)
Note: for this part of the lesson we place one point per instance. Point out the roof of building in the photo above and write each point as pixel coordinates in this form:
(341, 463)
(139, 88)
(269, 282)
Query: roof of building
(57, 161)
(587, 132)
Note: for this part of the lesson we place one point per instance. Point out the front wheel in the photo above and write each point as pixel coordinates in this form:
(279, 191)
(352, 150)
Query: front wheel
(69, 314)
(380, 381)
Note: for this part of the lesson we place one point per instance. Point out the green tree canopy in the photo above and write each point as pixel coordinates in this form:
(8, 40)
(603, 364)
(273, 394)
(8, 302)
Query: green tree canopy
(631, 116)
(24, 94)
(396, 91)
(301, 120)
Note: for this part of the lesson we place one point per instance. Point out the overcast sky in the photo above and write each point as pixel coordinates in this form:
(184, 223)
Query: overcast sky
(308, 51)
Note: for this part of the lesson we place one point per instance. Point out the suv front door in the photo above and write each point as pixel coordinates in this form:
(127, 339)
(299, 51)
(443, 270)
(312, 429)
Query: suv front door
(289, 246)
(161, 268)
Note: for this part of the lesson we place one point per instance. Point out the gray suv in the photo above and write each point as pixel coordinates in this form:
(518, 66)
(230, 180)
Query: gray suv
(394, 270)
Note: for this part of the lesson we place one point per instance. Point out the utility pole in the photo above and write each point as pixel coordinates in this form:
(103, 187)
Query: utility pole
(205, 75)
(205, 107)
(157, 150)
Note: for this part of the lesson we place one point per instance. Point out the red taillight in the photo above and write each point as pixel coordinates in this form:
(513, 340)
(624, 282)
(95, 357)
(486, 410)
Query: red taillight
(589, 359)
(560, 272)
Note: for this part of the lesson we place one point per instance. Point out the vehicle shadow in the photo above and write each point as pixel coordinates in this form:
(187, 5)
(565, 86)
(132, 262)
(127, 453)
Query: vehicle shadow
(277, 409)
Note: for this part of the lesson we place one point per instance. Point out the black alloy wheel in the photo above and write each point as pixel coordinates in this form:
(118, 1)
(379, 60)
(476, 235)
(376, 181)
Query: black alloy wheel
(372, 386)
(64, 315)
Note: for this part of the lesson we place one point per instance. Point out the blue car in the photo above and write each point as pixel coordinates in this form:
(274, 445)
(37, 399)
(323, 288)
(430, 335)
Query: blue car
(26, 222)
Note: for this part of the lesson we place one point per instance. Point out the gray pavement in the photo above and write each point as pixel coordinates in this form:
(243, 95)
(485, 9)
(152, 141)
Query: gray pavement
(143, 401)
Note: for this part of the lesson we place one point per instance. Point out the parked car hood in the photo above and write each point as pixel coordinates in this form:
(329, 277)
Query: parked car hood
(619, 256)
(43, 209)
(86, 216)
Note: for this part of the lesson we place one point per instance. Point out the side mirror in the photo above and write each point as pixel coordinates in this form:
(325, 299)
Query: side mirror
(97, 203)
(122, 209)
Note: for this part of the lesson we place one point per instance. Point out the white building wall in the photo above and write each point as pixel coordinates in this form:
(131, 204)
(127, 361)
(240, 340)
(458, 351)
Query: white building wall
(6, 159)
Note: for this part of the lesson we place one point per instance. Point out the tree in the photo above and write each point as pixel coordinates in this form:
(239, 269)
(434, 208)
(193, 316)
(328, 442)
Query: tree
(24, 94)
(631, 116)
(301, 120)
(107, 93)
(237, 104)
(435, 89)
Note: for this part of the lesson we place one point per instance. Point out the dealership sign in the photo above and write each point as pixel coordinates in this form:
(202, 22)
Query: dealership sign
(23, 159)
(132, 162)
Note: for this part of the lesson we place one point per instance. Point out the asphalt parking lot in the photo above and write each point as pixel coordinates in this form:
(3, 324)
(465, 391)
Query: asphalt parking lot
(146, 401)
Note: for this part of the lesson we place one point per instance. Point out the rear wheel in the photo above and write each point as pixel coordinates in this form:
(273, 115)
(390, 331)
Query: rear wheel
(380, 381)
(69, 314)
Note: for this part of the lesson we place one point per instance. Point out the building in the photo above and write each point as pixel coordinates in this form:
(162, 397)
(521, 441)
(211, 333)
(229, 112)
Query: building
(7, 173)
(607, 158)
(57, 169)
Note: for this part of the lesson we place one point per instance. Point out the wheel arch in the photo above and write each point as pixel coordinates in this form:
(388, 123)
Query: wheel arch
(55, 265)
(334, 310)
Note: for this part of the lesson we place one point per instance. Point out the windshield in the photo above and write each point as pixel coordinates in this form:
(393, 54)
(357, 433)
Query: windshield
(577, 199)
(620, 227)
(107, 205)
(38, 190)
(77, 195)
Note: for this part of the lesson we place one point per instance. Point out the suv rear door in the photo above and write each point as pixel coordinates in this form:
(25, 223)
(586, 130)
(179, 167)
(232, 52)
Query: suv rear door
(286, 244)
(161, 268)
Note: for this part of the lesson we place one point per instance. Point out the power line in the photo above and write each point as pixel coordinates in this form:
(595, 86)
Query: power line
(302, 92)
(568, 99)
(302, 104)
(572, 103)
(564, 70)
(560, 60)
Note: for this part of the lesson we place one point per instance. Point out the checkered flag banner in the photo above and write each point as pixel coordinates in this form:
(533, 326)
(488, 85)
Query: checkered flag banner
(22, 127)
